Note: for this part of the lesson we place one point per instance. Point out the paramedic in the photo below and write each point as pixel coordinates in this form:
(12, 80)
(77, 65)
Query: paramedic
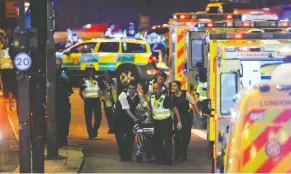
(63, 92)
(182, 99)
(125, 120)
(109, 99)
(201, 93)
(90, 92)
(161, 106)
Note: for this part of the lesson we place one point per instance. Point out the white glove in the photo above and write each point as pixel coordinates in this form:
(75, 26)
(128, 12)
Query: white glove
(179, 125)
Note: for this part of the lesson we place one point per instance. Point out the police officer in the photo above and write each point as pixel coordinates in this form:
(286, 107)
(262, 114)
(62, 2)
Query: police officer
(160, 78)
(8, 72)
(182, 138)
(201, 93)
(125, 120)
(90, 91)
(162, 107)
(131, 32)
(109, 99)
(63, 91)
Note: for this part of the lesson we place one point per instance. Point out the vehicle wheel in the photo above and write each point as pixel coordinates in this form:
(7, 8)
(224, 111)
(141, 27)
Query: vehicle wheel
(125, 74)
(138, 158)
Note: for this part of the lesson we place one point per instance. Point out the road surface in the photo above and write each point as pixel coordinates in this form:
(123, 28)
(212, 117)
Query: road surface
(8, 143)
(101, 155)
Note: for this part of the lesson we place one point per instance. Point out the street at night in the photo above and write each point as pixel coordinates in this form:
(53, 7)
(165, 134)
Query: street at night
(101, 154)
(145, 86)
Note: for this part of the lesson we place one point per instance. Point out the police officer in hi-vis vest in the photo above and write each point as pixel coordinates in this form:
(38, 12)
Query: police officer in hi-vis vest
(90, 91)
(162, 107)
(109, 99)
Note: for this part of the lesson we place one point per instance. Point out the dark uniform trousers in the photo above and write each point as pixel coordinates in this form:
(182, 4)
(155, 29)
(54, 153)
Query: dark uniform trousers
(163, 138)
(124, 137)
(110, 117)
(92, 105)
(182, 138)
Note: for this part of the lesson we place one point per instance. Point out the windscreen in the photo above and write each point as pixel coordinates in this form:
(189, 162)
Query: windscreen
(256, 72)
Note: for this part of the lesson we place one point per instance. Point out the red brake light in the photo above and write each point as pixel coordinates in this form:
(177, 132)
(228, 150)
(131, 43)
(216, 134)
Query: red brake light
(229, 17)
(152, 59)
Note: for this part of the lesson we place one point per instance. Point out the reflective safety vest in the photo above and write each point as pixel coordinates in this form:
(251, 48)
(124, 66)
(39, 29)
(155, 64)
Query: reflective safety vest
(92, 89)
(202, 90)
(159, 112)
(110, 95)
(5, 60)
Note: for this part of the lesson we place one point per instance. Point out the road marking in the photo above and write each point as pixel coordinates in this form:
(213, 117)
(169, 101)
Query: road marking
(200, 133)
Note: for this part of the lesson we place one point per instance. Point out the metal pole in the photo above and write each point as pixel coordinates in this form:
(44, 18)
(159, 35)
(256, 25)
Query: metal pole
(38, 17)
(52, 146)
(23, 104)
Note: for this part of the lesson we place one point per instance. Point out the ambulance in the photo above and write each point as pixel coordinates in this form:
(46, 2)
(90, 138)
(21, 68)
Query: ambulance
(259, 133)
(238, 61)
(179, 25)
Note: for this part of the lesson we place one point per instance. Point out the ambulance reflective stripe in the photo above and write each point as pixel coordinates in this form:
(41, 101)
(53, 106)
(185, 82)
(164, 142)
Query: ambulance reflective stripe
(92, 89)
(255, 141)
(159, 112)
(181, 58)
(5, 60)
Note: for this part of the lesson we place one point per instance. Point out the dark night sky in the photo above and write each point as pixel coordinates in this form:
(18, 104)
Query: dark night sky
(75, 13)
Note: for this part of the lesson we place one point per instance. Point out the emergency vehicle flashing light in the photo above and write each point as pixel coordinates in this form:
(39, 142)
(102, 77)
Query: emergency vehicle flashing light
(199, 16)
(246, 24)
(224, 36)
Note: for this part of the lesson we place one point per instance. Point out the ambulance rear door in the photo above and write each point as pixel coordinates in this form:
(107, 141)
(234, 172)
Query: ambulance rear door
(227, 86)
(197, 54)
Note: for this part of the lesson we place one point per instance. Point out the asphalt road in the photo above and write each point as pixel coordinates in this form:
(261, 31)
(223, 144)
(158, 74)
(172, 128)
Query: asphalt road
(101, 155)
(8, 143)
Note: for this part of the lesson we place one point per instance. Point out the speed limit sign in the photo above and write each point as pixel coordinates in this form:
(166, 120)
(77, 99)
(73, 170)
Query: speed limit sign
(22, 61)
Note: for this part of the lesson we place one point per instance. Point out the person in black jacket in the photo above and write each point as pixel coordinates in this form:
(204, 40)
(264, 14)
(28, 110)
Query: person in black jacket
(182, 137)
(63, 106)
(125, 120)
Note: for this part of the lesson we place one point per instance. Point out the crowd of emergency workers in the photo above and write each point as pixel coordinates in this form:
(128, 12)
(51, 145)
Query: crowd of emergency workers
(167, 107)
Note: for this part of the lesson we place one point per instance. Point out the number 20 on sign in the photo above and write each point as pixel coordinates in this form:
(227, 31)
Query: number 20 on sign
(22, 61)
